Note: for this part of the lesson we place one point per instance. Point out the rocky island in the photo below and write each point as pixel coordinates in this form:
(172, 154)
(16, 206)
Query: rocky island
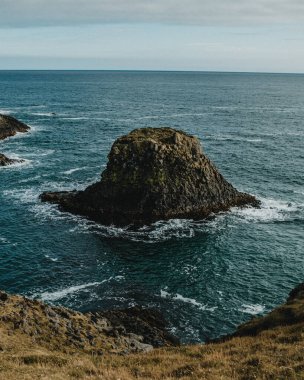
(153, 174)
(9, 126)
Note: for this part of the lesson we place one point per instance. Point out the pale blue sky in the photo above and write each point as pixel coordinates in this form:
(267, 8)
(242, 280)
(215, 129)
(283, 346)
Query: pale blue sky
(159, 35)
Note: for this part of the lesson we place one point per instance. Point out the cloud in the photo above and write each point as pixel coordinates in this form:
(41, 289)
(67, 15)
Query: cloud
(24, 13)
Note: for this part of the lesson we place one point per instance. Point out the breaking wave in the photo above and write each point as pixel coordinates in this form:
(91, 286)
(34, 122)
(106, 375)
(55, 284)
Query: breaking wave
(180, 298)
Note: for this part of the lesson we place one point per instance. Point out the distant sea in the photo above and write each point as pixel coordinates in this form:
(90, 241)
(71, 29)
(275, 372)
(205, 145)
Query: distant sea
(206, 277)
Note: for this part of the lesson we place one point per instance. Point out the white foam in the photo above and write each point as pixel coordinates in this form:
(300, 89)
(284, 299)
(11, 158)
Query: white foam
(68, 172)
(54, 259)
(38, 106)
(23, 195)
(157, 232)
(5, 112)
(54, 296)
(169, 116)
(299, 192)
(77, 118)
(235, 138)
(48, 114)
(252, 309)
(254, 140)
(192, 301)
(30, 179)
(270, 210)
(59, 294)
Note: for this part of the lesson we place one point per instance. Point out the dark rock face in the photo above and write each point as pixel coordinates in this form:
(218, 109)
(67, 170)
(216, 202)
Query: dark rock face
(5, 161)
(147, 323)
(9, 126)
(154, 174)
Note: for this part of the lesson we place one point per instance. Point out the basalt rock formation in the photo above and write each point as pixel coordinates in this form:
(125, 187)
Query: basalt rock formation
(5, 161)
(9, 126)
(153, 174)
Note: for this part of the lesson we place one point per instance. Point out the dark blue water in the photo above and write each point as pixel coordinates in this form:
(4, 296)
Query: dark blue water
(206, 277)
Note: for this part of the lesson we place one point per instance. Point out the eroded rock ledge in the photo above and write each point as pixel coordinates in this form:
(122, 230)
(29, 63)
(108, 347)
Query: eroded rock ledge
(9, 126)
(153, 174)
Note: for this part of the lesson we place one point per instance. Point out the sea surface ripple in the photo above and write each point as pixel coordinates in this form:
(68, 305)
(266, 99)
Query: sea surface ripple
(206, 276)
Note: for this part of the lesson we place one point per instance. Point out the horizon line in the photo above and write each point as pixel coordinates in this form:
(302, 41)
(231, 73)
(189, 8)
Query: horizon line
(163, 70)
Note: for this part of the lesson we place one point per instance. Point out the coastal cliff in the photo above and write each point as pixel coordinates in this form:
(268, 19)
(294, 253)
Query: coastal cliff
(153, 174)
(39, 341)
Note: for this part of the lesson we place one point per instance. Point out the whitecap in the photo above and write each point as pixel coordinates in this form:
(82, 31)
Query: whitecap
(54, 259)
(54, 296)
(5, 112)
(234, 138)
(192, 301)
(252, 309)
(78, 118)
(254, 140)
(47, 114)
(30, 179)
(68, 172)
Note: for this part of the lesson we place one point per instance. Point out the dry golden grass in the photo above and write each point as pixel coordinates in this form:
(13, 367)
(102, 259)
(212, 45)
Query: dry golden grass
(274, 354)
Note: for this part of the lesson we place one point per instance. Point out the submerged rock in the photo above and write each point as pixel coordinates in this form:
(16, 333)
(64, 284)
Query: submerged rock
(5, 161)
(9, 126)
(153, 174)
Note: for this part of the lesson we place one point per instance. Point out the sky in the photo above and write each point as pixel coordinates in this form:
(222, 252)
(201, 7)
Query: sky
(207, 35)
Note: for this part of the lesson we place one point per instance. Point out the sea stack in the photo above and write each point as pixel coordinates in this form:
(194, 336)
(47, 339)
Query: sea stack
(9, 126)
(153, 174)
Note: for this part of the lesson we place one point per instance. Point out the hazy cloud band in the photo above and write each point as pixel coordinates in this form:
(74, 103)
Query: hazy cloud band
(186, 12)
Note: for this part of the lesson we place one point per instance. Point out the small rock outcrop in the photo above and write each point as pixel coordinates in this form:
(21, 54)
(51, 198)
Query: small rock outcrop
(153, 174)
(9, 126)
(5, 161)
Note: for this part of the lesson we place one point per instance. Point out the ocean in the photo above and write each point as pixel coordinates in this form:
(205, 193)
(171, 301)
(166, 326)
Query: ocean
(206, 277)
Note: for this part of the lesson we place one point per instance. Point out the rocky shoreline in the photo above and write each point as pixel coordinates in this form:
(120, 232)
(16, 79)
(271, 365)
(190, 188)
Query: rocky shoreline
(120, 331)
(153, 174)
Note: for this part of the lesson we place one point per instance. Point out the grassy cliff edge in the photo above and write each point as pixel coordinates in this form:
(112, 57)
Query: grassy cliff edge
(38, 341)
